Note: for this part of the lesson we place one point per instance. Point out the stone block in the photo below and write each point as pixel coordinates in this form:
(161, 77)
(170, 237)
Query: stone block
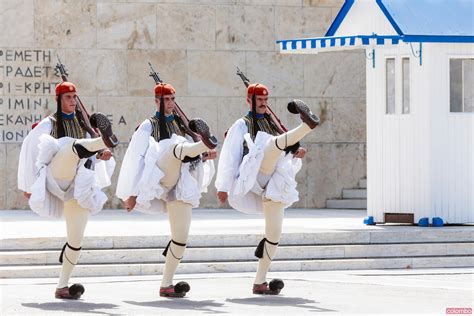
(15, 34)
(27, 89)
(421, 235)
(212, 73)
(221, 2)
(350, 165)
(357, 264)
(126, 25)
(322, 175)
(90, 103)
(324, 3)
(339, 74)
(321, 107)
(349, 119)
(437, 262)
(19, 113)
(81, 65)
(460, 249)
(3, 175)
(275, 3)
(28, 72)
(197, 24)
(144, 241)
(230, 110)
(331, 168)
(14, 197)
(171, 66)
(394, 250)
(126, 113)
(282, 74)
(203, 107)
(112, 73)
(67, 24)
(300, 22)
(245, 28)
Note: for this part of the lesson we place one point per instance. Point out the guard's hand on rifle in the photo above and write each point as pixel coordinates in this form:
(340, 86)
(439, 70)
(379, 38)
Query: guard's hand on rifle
(130, 203)
(300, 153)
(104, 155)
(27, 195)
(211, 154)
(222, 196)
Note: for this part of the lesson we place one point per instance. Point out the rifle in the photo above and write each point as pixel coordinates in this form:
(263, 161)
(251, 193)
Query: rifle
(279, 125)
(177, 109)
(82, 113)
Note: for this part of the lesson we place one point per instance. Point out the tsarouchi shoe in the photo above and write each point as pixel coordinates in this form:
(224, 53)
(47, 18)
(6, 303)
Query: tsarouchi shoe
(71, 293)
(297, 106)
(273, 288)
(200, 127)
(178, 290)
(102, 123)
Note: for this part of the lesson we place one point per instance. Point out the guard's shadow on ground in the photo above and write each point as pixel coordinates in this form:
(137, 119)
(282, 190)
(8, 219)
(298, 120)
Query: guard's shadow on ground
(77, 306)
(275, 301)
(182, 304)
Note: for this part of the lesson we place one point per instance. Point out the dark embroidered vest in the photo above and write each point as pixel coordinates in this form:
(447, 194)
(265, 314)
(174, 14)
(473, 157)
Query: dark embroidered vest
(265, 124)
(72, 128)
(173, 127)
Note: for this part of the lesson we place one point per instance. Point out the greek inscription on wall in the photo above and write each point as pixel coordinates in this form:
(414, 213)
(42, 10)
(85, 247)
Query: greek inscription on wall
(28, 78)
(27, 81)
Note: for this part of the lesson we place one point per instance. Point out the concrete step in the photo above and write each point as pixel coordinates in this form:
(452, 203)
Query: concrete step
(375, 235)
(354, 194)
(87, 270)
(352, 204)
(363, 183)
(221, 254)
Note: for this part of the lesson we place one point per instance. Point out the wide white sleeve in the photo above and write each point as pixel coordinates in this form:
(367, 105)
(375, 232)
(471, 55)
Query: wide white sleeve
(133, 162)
(231, 156)
(29, 153)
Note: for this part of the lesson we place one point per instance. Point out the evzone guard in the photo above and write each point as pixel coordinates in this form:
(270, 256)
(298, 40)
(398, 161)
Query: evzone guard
(167, 166)
(258, 164)
(64, 164)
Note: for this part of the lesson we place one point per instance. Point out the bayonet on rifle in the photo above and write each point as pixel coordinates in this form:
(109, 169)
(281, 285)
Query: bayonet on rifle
(154, 75)
(243, 77)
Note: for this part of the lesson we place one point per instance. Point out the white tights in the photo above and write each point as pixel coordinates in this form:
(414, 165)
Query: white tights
(179, 214)
(273, 212)
(76, 220)
(63, 167)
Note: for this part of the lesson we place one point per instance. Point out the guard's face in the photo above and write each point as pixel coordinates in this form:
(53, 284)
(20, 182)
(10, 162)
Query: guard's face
(169, 103)
(261, 103)
(68, 102)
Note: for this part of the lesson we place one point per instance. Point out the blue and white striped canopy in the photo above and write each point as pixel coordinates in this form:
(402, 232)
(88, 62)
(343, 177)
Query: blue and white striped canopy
(420, 21)
(334, 43)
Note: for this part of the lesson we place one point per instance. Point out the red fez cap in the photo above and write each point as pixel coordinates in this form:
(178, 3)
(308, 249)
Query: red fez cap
(164, 89)
(257, 89)
(65, 87)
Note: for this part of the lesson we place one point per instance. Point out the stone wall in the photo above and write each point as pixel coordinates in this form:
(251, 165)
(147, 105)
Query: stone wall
(195, 45)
